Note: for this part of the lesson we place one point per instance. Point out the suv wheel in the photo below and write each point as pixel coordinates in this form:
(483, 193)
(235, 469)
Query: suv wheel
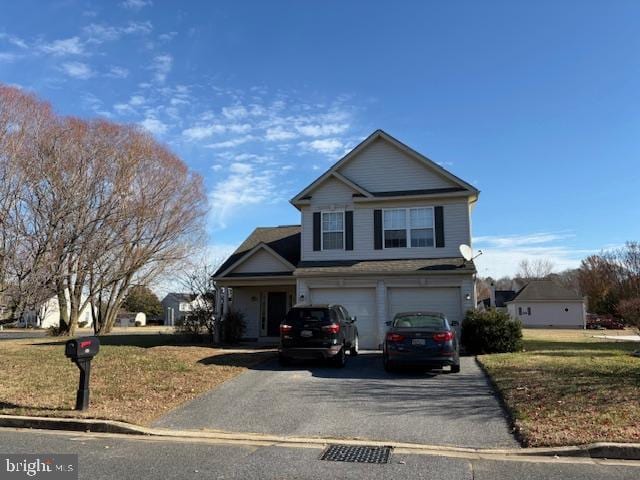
(455, 368)
(340, 360)
(284, 360)
(355, 347)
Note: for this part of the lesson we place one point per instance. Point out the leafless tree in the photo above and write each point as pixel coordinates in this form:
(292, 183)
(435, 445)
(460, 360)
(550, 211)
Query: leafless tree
(87, 208)
(534, 269)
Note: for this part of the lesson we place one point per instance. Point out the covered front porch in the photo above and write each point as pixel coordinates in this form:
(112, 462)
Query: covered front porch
(263, 301)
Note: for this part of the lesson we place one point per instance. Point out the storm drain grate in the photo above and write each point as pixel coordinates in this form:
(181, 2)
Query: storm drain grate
(357, 454)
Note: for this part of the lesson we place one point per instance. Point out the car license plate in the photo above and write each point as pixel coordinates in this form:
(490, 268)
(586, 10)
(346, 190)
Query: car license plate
(418, 341)
(306, 333)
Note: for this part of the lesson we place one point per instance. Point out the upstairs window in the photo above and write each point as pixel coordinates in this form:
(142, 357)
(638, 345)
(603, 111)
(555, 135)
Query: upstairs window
(408, 227)
(332, 230)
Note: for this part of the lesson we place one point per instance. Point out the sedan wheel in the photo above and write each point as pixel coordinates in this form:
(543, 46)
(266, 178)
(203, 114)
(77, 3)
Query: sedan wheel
(388, 365)
(355, 347)
(455, 368)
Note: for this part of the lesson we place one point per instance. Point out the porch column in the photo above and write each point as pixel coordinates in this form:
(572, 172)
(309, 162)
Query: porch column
(381, 309)
(225, 301)
(218, 302)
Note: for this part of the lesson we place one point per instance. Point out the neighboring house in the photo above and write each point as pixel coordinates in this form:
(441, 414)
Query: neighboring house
(497, 299)
(545, 303)
(48, 315)
(131, 319)
(379, 234)
(176, 306)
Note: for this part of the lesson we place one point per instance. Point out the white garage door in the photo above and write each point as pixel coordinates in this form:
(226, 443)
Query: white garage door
(443, 300)
(361, 303)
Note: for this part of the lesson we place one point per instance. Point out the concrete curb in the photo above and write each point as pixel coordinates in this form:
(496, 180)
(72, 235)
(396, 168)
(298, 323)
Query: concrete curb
(600, 450)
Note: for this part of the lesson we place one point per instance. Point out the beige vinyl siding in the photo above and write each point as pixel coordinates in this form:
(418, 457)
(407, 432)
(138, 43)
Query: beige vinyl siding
(382, 167)
(332, 193)
(246, 300)
(549, 314)
(456, 231)
(261, 261)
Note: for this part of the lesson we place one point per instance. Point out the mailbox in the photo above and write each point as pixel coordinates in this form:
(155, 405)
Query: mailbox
(81, 348)
(81, 351)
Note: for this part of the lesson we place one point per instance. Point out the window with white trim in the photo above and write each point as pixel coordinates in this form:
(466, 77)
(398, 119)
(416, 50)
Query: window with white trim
(332, 230)
(408, 227)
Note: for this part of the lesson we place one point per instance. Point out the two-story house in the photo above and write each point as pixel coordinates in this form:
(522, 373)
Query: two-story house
(380, 234)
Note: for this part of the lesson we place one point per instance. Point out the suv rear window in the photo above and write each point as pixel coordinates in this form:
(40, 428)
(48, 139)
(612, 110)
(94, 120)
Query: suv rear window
(296, 315)
(428, 322)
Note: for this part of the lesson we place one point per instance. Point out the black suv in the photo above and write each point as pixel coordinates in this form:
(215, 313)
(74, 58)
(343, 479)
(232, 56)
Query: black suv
(318, 331)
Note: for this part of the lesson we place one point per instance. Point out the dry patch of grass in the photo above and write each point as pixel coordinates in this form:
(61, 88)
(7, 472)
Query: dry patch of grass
(568, 387)
(129, 383)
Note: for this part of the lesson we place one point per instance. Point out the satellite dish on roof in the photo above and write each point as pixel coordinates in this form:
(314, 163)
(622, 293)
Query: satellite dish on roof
(467, 253)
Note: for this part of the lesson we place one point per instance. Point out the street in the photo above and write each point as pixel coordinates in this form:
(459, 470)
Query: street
(103, 456)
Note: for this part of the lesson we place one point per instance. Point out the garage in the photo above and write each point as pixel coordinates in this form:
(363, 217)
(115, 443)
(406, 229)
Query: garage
(444, 300)
(360, 302)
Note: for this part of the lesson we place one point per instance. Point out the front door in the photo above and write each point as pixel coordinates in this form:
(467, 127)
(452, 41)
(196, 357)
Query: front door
(276, 311)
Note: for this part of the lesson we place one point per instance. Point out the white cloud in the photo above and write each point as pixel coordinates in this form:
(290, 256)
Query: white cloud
(118, 72)
(238, 167)
(68, 46)
(327, 146)
(14, 40)
(136, 4)
(7, 57)
(279, 134)
(322, 130)
(234, 142)
(235, 112)
(203, 131)
(136, 100)
(502, 254)
(100, 33)
(78, 70)
(154, 126)
(217, 167)
(162, 66)
(242, 188)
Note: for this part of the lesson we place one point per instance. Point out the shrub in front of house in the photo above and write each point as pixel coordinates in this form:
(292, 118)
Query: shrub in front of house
(490, 331)
(233, 326)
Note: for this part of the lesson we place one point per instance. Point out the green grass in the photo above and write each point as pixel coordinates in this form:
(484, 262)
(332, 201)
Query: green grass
(567, 387)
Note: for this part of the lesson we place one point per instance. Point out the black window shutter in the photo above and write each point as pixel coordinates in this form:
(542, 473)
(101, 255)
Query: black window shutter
(316, 231)
(439, 220)
(348, 234)
(377, 229)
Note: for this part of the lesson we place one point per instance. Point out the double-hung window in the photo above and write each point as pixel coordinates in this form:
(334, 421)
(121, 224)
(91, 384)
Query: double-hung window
(408, 227)
(332, 230)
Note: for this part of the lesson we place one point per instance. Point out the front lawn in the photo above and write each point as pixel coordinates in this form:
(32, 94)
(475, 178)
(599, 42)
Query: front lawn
(570, 388)
(132, 378)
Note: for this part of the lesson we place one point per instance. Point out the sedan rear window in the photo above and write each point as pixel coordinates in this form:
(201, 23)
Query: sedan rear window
(308, 315)
(428, 322)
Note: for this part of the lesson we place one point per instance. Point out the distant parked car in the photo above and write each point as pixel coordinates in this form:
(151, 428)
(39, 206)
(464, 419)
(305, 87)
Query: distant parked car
(318, 331)
(421, 339)
(604, 322)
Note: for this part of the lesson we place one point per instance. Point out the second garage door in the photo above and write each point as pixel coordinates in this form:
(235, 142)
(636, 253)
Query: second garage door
(361, 303)
(443, 300)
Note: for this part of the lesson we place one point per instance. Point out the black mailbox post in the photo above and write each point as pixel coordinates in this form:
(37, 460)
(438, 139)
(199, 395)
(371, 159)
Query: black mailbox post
(81, 351)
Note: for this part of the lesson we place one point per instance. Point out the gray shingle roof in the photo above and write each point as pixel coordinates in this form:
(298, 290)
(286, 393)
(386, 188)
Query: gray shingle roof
(541, 290)
(284, 240)
(385, 266)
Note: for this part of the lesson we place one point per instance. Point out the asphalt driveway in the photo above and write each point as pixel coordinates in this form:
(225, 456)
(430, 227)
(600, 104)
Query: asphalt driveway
(359, 401)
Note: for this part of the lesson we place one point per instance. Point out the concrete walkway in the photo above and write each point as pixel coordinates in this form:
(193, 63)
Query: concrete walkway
(359, 401)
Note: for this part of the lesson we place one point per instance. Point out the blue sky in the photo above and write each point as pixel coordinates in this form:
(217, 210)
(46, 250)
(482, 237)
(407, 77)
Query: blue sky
(535, 103)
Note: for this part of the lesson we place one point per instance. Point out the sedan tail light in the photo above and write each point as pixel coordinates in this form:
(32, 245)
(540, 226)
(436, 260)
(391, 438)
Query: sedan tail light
(394, 337)
(333, 328)
(443, 336)
(285, 328)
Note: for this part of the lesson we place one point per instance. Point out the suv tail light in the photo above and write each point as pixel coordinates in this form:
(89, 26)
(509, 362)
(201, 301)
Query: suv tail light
(285, 328)
(443, 336)
(394, 337)
(333, 328)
